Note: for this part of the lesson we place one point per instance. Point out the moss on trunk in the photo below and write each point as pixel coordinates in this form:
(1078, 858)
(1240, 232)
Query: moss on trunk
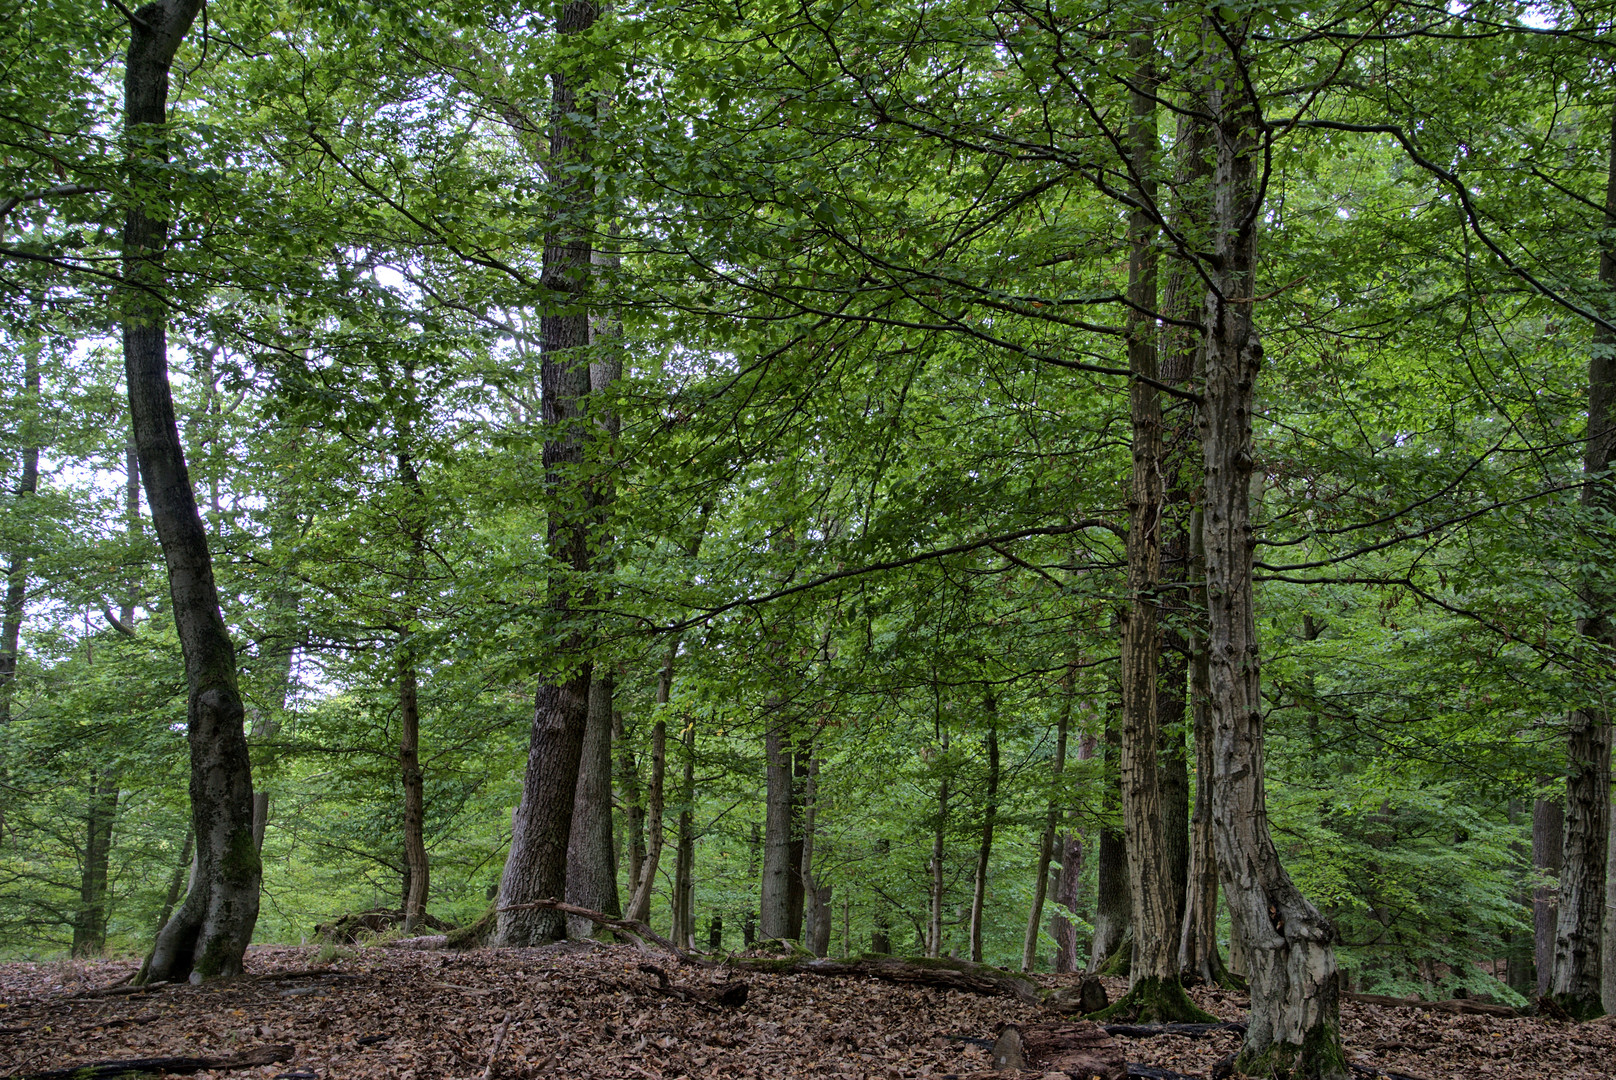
(1156, 1001)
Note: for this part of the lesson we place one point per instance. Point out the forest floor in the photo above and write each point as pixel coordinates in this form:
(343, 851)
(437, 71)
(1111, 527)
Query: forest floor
(585, 1011)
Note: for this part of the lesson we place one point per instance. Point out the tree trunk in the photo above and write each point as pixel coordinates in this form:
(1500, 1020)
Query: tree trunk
(17, 570)
(628, 780)
(639, 904)
(939, 837)
(1069, 881)
(1548, 839)
(177, 881)
(1581, 923)
(591, 862)
(1046, 845)
(418, 871)
(775, 904)
(1294, 1025)
(536, 867)
(1609, 953)
(816, 910)
(1198, 956)
(209, 932)
(684, 881)
(990, 815)
(90, 923)
(1113, 907)
(754, 848)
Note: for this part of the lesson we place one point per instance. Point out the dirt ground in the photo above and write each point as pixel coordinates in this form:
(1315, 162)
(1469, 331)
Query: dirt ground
(585, 1011)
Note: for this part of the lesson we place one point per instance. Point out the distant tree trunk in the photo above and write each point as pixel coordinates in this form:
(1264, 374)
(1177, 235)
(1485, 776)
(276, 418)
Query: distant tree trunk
(208, 934)
(1069, 881)
(990, 815)
(417, 869)
(1046, 845)
(881, 935)
(684, 881)
(939, 838)
(1113, 907)
(795, 894)
(775, 915)
(816, 910)
(17, 569)
(1548, 839)
(591, 862)
(536, 867)
(90, 923)
(1198, 956)
(628, 779)
(1518, 973)
(754, 848)
(639, 904)
(1294, 1024)
(177, 880)
(1579, 929)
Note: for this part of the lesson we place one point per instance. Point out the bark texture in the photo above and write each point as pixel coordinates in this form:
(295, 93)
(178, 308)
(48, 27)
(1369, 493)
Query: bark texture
(418, 872)
(774, 917)
(1198, 956)
(536, 867)
(1579, 930)
(591, 860)
(208, 934)
(1294, 1028)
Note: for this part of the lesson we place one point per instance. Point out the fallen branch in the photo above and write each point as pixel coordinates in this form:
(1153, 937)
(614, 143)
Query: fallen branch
(493, 1051)
(942, 973)
(1145, 1031)
(631, 928)
(133, 1067)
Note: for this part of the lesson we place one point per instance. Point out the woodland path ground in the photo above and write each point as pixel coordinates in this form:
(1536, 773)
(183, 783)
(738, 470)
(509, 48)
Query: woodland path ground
(590, 1012)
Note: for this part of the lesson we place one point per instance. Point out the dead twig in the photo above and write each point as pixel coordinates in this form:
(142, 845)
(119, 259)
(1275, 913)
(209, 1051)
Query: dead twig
(499, 1040)
(631, 928)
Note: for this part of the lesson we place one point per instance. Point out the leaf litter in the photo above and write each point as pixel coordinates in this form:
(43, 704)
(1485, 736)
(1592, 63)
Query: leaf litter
(585, 1010)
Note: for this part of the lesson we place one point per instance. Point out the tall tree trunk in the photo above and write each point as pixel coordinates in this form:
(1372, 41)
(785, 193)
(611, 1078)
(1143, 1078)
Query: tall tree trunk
(1198, 956)
(990, 817)
(1046, 845)
(417, 870)
(775, 905)
(90, 923)
(1154, 990)
(1548, 840)
(17, 569)
(208, 934)
(939, 849)
(816, 897)
(1113, 898)
(1294, 1026)
(1581, 922)
(536, 867)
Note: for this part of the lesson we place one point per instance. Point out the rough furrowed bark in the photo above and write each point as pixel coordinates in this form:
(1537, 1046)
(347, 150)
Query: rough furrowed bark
(1580, 928)
(591, 867)
(1294, 1023)
(536, 866)
(207, 936)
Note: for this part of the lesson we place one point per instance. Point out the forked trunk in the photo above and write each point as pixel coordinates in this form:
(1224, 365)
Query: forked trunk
(1294, 1026)
(208, 934)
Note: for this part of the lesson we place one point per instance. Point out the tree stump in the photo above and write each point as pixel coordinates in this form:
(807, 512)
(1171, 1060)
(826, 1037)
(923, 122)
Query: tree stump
(1081, 1051)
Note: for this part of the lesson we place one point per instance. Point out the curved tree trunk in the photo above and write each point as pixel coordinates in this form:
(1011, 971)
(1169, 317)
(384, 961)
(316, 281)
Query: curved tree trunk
(208, 935)
(536, 867)
(1294, 1028)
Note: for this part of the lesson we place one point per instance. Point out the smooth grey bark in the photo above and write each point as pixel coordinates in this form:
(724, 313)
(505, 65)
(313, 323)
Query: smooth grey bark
(591, 860)
(1046, 844)
(536, 867)
(1579, 929)
(816, 897)
(1548, 839)
(17, 566)
(1294, 1024)
(990, 818)
(774, 916)
(208, 934)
